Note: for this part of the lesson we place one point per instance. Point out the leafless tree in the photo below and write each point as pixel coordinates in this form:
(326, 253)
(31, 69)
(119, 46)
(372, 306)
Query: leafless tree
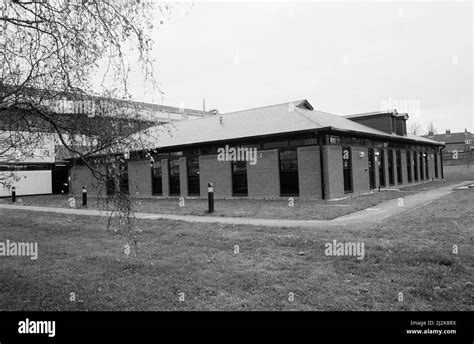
(415, 128)
(50, 52)
(431, 130)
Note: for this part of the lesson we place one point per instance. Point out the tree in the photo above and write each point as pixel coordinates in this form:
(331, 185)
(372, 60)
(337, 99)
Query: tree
(414, 128)
(50, 54)
(431, 130)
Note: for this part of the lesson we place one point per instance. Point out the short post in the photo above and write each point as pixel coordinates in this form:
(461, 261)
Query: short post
(210, 196)
(84, 196)
(13, 194)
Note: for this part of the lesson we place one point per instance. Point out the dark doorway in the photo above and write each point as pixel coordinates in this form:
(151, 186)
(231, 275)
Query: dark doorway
(399, 167)
(391, 177)
(175, 189)
(60, 179)
(347, 169)
(427, 166)
(409, 166)
(415, 166)
(289, 185)
(372, 168)
(436, 164)
(382, 168)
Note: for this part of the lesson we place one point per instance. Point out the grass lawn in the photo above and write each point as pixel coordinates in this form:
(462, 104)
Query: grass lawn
(411, 254)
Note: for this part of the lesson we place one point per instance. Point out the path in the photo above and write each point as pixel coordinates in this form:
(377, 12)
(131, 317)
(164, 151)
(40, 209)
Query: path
(370, 215)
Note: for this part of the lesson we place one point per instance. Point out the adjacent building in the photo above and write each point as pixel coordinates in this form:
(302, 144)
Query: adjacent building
(459, 146)
(284, 150)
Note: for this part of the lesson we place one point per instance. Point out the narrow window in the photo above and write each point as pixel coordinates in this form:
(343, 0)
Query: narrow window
(399, 167)
(193, 176)
(289, 185)
(156, 179)
(174, 177)
(415, 166)
(347, 169)
(239, 178)
(391, 176)
(382, 168)
(409, 175)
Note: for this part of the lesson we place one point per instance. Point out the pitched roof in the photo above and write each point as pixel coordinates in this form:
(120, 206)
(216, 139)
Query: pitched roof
(451, 138)
(275, 119)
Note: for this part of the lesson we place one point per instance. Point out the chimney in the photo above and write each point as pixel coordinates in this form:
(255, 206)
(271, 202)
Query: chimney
(448, 132)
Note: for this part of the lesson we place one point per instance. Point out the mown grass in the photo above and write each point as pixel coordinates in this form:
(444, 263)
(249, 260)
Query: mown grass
(411, 254)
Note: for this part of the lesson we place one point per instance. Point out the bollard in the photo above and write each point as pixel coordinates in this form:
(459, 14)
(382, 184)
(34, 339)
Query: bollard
(84, 196)
(210, 193)
(13, 194)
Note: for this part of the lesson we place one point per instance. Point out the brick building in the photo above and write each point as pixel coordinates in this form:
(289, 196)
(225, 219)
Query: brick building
(459, 146)
(300, 152)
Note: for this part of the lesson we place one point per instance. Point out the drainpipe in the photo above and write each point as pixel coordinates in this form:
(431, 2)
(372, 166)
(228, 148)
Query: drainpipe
(441, 160)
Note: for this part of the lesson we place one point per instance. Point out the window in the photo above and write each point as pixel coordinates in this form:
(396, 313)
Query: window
(468, 142)
(174, 177)
(382, 168)
(421, 166)
(239, 178)
(391, 176)
(289, 173)
(399, 167)
(347, 169)
(334, 140)
(156, 179)
(193, 176)
(415, 166)
(427, 165)
(277, 144)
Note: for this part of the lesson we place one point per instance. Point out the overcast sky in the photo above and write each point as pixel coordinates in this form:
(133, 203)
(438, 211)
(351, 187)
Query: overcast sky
(345, 58)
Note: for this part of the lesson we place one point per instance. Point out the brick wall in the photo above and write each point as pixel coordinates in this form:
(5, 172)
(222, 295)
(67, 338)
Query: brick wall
(333, 176)
(264, 177)
(431, 164)
(82, 176)
(139, 178)
(404, 166)
(360, 170)
(218, 172)
(309, 172)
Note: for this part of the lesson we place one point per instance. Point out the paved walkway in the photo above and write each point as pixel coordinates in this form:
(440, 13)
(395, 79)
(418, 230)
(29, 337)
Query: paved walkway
(370, 215)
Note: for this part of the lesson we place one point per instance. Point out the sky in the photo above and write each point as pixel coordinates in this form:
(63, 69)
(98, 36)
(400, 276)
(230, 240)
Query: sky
(344, 58)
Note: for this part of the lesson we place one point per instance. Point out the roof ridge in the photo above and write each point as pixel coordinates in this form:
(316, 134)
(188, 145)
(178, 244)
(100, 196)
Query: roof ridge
(264, 107)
